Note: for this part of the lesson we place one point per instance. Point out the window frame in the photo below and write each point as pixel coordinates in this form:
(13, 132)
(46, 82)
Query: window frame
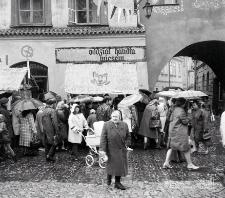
(73, 22)
(15, 15)
(31, 14)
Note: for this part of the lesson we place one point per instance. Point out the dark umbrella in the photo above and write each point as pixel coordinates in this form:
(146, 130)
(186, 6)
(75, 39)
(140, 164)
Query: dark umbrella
(145, 91)
(26, 104)
(5, 94)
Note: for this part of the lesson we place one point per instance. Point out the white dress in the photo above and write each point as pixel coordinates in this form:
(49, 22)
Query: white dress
(76, 122)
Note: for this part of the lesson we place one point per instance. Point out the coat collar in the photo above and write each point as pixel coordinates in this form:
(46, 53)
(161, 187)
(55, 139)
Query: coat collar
(120, 125)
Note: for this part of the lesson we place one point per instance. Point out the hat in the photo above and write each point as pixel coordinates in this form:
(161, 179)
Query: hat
(4, 100)
(50, 101)
(92, 111)
(74, 106)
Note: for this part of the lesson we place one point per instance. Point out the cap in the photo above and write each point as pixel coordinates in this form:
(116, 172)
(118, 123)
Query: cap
(92, 111)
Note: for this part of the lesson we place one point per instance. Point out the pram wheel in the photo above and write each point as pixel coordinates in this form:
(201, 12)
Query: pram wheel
(101, 162)
(89, 160)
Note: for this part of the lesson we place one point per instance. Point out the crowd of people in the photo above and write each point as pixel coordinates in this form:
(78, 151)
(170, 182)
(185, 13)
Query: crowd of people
(177, 124)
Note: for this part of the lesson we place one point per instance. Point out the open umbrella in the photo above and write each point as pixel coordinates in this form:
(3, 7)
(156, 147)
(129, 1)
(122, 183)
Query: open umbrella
(82, 98)
(169, 94)
(190, 94)
(130, 100)
(97, 99)
(26, 104)
(5, 94)
(145, 99)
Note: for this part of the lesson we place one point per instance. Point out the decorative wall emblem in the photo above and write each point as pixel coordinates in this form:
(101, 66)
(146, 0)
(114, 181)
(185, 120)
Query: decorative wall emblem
(100, 80)
(208, 4)
(27, 51)
(169, 9)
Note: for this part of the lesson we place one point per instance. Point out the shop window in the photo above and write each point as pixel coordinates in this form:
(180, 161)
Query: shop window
(86, 12)
(31, 13)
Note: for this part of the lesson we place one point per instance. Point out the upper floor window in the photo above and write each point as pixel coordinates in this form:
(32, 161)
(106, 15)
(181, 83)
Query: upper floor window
(84, 12)
(179, 70)
(171, 68)
(31, 12)
(174, 69)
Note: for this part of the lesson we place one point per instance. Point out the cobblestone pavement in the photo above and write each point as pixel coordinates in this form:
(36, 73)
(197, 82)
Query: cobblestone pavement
(34, 177)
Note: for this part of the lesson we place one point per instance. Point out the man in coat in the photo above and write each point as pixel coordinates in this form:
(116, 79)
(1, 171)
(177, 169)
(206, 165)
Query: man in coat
(104, 111)
(50, 129)
(115, 136)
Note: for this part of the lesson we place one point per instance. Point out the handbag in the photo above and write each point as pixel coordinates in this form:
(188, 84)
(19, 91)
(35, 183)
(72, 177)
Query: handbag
(155, 124)
(35, 143)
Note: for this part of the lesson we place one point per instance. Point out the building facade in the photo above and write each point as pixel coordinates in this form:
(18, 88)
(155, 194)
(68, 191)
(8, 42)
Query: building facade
(54, 35)
(176, 73)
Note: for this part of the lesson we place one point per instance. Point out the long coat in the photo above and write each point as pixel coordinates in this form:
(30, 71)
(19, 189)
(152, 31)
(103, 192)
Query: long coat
(27, 129)
(50, 124)
(178, 130)
(115, 148)
(145, 122)
(76, 122)
(62, 123)
(39, 126)
(199, 124)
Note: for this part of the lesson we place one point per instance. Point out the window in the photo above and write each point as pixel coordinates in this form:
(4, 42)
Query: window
(31, 13)
(207, 82)
(179, 71)
(174, 69)
(86, 12)
(203, 82)
(196, 83)
(171, 68)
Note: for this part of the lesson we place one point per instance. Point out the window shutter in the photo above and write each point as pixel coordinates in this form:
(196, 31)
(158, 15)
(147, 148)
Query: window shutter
(104, 14)
(48, 12)
(14, 13)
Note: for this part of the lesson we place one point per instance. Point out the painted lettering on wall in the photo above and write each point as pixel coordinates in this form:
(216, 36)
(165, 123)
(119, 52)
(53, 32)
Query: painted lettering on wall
(101, 54)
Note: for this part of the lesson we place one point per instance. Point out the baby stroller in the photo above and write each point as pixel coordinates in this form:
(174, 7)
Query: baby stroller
(93, 141)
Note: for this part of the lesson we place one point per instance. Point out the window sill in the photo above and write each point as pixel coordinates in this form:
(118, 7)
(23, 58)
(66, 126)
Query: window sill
(87, 25)
(32, 26)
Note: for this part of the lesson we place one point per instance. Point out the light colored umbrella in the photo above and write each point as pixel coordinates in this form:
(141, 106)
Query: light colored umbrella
(130, 100)
(169, 94)
(145, 99)
(97, 99)
(82, 99)
(190, 94)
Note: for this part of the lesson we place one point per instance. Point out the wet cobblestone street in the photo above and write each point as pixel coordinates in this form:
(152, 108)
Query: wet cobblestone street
(34, 177)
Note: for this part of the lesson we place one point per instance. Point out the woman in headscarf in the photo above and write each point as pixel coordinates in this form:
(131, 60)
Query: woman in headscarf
(77, 123)
(178, 134)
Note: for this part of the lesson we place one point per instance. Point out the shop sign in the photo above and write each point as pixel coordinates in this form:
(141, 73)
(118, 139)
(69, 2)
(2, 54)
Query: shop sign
(81, 55)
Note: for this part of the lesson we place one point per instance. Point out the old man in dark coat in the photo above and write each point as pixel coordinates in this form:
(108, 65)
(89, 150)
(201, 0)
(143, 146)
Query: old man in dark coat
(114, 141)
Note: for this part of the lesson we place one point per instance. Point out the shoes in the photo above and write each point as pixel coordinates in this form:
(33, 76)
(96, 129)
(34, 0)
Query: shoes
(157, 147)
(48, 158)
(14, 158)
(119, 186)
(167, 166)
(193, 167)
(129, 149)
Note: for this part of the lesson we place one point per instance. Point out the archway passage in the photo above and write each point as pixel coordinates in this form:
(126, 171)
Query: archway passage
(39, 72)
(210, 52)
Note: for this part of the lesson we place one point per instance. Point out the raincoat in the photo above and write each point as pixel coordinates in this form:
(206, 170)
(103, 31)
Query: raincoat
(76, 122)
(113, 140)
(178, 130)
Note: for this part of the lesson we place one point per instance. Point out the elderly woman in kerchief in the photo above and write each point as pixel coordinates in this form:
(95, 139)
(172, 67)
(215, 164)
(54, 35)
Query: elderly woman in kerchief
(77, 123)
(147, 130)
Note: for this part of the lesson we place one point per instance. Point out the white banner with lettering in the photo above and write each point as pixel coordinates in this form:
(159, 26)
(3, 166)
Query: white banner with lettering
(101, 78)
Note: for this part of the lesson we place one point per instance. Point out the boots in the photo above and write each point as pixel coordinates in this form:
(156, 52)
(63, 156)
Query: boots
(118, 185)
(109, 179)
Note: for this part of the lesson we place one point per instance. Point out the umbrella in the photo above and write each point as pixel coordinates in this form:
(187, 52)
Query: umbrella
(130, 100)
(166, 93)
(49, 95)
(97, 99)
(145, 91)
(190, 94)
(26, 104)
(82, 98)
(5, 94)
